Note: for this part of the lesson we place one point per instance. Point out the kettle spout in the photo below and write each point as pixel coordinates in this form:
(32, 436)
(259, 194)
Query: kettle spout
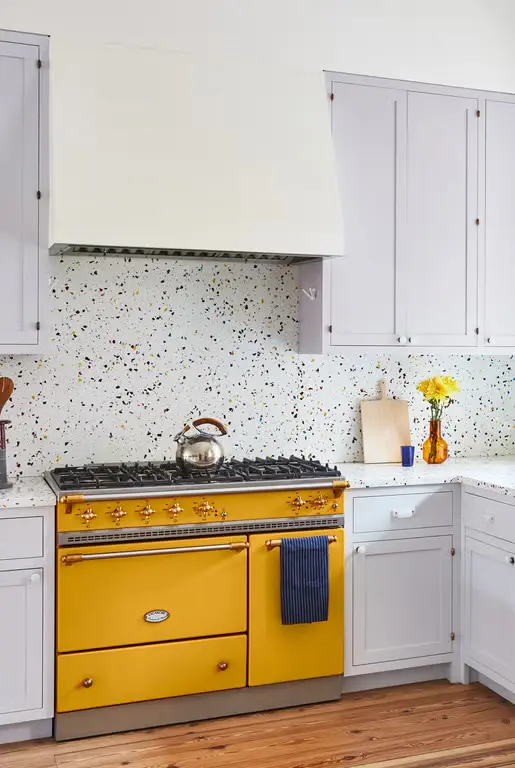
(179, 437)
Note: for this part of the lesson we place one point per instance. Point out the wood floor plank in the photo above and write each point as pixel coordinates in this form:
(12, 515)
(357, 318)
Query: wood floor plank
(431, 725)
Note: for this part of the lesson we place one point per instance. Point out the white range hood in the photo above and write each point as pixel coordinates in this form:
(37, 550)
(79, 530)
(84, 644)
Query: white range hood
(164, 153)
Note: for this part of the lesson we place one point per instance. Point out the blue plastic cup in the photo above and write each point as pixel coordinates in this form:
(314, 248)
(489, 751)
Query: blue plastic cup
(408, 455)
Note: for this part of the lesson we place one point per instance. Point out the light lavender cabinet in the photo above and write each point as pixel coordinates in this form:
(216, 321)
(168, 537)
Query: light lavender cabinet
(369, 131)
(498, 328)
(439, 263)
(23, 191)
(21, 641)
(490, 607)
(407, 163)
(402, 599)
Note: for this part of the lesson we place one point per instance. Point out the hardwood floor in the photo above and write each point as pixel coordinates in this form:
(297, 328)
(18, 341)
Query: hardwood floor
(431, 725)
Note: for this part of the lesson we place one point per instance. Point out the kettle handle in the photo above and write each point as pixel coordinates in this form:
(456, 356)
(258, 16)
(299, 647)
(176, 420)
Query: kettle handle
(213, 422)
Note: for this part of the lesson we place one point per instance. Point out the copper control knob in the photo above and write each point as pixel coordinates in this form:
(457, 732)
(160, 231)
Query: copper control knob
(204, 508)
(223, 665)
(318, 502)
(88, 515)
(146, 513)
(297, 503)
(175, 510)
(87, 682)
(117, 514)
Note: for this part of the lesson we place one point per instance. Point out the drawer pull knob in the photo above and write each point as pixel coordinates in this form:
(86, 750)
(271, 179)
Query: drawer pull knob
(35, 578)
(223, 665)
(489, 519)
(510, 560)
(403, 513)
(87, 682)
(361, 550)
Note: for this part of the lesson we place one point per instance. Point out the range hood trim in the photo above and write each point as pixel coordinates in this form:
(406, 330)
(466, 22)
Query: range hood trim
(187, 254)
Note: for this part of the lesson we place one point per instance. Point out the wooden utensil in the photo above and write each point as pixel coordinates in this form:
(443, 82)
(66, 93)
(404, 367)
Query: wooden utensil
(385, 427)
(6, 390)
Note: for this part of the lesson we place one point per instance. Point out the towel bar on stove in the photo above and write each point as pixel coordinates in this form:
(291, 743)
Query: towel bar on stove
(273, 543)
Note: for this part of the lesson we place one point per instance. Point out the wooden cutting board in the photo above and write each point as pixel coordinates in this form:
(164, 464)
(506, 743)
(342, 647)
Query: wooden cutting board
(385, 427)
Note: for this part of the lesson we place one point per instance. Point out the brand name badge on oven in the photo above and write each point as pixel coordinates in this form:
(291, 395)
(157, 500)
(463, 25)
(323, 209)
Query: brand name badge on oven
(154, 617)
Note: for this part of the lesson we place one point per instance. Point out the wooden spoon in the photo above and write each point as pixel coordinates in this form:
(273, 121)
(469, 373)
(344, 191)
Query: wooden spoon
(6, 390)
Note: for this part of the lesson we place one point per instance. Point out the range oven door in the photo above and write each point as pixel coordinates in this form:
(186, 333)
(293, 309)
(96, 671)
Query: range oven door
(277, 652)
(120, 595)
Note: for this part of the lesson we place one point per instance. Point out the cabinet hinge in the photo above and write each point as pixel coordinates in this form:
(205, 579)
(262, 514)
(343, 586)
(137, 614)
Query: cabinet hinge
(38, 63)
(330, 329)
(453, 636)
(38, 194)
(477, 222)
(38, 326)
(453, 552)
(478, 113)
(331, 97)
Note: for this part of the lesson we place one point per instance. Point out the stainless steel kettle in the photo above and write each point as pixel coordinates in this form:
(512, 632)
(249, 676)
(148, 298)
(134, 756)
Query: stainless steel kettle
(201, 451)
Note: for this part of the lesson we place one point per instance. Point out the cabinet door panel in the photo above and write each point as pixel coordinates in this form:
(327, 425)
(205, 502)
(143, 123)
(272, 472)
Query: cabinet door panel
(21, 640)
(490, 607)
(402, 599)
(19, 183)
(499, 271)
(439, 265)
(368, 126)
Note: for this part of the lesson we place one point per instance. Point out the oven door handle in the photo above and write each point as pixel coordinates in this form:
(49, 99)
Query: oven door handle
(79, 558)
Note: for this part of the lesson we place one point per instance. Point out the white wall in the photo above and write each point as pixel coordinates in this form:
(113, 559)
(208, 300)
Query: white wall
(212, 112)
(458, 42)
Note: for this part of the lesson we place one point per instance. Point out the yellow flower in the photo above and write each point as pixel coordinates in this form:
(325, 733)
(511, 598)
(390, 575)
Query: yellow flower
(439, 388)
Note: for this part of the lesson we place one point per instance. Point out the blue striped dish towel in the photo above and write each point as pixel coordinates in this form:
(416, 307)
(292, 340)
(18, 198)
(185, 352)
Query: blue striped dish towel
(304, 580)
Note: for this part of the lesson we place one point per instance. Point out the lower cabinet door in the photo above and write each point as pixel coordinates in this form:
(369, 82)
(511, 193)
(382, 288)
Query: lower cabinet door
(402, 599)
(278, 652)
(490, 607)
(21, 640)
(145, 672)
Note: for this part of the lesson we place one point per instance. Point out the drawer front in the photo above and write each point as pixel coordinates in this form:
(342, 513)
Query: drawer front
(21, 537)
(142, 673)
(488, 516)
(401, 512)
(108, 603)
(279, 652)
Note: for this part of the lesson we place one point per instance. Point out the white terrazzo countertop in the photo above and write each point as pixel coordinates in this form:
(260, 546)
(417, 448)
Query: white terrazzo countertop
(27, 492)
(497, 474)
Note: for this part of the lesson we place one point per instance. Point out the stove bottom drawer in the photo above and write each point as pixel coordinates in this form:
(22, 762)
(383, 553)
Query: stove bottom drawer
(145, 672)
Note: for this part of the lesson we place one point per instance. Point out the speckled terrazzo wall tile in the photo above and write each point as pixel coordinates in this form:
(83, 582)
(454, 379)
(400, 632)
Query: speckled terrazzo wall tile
(140, 346)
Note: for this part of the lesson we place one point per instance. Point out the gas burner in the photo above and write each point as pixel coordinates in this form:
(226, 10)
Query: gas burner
(155, 474)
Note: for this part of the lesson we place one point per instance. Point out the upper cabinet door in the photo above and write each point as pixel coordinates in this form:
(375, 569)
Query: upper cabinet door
(440, 260)
(19, 204)
(368, 128)
(499, 266)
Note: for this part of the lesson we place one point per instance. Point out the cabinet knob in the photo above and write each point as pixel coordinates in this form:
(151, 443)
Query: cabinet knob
(35, 578)
(402, 340)
(491, 340)
(223, 665)
(87, 682)
(510, 560)
(361, 550)
(489, 519)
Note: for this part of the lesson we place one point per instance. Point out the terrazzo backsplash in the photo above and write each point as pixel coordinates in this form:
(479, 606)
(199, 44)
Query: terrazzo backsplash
(139, 347)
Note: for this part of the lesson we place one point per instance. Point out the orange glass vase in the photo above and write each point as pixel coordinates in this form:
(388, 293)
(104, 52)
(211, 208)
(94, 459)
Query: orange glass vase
(435, 450)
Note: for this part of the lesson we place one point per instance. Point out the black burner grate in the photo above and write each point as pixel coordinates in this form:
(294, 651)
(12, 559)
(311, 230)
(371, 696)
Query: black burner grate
(155, 474)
